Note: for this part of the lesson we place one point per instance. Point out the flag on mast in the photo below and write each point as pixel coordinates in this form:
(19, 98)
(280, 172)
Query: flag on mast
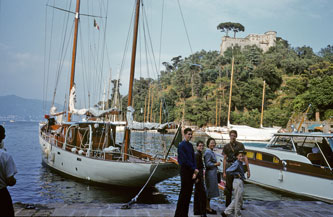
(96, 25)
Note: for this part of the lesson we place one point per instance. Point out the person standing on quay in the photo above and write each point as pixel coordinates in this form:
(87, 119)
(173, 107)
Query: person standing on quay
(211, 174)
(236, 170)
(188, 173)
(199, 207)
(228, 153)
(7, 172)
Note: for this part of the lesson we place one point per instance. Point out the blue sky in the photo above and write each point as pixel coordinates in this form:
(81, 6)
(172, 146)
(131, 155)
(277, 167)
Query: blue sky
(22, 32)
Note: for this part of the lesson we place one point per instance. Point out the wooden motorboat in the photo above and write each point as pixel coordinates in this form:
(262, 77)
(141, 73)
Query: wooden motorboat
(299, 163)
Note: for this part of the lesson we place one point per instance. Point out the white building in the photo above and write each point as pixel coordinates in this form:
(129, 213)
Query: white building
(264, 41)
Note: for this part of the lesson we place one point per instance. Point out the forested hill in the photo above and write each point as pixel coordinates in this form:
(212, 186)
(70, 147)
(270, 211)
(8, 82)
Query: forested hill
(295, 78)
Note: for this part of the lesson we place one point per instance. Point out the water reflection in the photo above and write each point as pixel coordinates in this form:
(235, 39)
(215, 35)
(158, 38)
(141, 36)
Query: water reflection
(54, 187)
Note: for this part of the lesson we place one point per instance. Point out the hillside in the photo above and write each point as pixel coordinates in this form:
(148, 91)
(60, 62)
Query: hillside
(196, 88)
(21, 109)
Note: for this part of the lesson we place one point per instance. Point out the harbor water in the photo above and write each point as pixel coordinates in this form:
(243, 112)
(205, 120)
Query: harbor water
(38, 184)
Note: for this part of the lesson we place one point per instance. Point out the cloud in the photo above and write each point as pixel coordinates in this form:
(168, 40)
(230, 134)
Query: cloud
(25, 59)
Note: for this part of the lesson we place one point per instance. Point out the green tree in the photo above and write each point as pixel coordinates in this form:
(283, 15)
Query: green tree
(327, 53)
(271, 74)
(229, 26)
(319, 94)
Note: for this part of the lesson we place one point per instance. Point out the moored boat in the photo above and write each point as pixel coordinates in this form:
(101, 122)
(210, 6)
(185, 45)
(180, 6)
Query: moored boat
(87, 149)
(298, 163)
(245, 133)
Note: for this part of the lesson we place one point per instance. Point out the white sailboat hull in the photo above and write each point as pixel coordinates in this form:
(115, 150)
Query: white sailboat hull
(111, 172)
(245, 133)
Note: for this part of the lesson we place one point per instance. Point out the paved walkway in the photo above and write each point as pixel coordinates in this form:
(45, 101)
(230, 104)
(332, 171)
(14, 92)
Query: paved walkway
(252, 208)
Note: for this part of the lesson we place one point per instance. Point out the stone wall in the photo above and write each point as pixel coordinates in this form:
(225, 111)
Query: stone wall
(264, 41)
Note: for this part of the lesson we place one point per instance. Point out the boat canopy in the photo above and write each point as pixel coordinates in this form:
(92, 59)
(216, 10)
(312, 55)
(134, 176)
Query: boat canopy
(133, 125)
(314, 127)
(148, 126)
(317, 147)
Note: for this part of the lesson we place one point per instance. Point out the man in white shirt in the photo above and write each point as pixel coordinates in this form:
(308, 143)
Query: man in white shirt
(7, 172)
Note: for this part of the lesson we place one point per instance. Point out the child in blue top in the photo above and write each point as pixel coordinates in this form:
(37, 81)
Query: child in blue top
(236, 170)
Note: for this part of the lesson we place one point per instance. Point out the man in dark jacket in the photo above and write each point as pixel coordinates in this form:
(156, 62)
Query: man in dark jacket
(188, 173)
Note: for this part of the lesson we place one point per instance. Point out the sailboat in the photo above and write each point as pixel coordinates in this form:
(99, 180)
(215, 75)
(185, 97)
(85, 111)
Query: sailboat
(245, 133)
(87, 149)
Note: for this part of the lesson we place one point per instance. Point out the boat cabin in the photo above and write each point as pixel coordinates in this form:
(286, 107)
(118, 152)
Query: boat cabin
(91, 139)
(317, 147)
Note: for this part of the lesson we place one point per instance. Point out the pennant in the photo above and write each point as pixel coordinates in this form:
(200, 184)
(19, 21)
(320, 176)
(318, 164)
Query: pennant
(96, 25)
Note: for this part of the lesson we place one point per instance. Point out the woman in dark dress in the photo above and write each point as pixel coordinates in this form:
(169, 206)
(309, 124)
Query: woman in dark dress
(199, 207)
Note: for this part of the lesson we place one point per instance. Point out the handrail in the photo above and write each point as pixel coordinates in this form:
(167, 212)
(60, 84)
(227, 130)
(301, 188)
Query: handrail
(49, 137)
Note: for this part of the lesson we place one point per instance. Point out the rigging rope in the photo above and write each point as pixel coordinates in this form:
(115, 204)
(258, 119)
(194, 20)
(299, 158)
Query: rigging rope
(45, 77)
(181, 13)
(62, 53)
(134, 199)
(127, 41)
(150, 40)
(160, 50)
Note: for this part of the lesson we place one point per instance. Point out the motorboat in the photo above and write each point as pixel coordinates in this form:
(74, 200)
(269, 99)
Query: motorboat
(298, 163)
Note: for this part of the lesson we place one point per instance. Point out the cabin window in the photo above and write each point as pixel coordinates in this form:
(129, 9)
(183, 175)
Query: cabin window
(282, 143)
(318, 151)
(267, 157)
(250, 154)
(83, 136)
(259, 156)
(276, 160)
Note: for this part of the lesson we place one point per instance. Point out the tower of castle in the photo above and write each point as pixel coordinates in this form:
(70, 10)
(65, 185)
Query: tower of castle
(263, 41)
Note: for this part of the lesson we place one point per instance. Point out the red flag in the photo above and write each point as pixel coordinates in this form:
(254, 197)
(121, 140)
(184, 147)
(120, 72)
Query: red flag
(96, 25)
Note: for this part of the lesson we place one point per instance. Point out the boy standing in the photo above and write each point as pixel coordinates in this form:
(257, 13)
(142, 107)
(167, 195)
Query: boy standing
(228, 153)
(236, 170)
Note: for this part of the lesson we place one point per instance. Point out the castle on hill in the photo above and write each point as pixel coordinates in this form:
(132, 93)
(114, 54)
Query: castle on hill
(263, 41)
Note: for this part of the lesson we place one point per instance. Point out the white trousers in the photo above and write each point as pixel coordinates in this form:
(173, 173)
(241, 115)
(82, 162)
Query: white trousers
(236, 203)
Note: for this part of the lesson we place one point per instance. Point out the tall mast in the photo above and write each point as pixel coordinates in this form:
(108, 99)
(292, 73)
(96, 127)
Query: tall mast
(216, 112)
(161, 112)
(230, 94)
(262, 104)
(108, 92)
(130, 88)
(144, 113)
(77, 10)
(148, 112)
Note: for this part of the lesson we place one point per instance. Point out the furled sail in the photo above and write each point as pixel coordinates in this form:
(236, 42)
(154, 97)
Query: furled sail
(134, 125)
(91, 111)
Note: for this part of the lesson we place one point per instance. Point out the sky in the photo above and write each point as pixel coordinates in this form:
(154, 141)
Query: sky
(25, 27)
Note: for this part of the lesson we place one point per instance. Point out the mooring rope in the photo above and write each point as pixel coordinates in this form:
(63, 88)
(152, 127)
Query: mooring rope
(134, 199)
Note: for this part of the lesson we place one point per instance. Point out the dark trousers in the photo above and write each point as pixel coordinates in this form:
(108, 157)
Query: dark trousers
(228, 189)
(185, 192)
(200, 197)
(6, 204)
